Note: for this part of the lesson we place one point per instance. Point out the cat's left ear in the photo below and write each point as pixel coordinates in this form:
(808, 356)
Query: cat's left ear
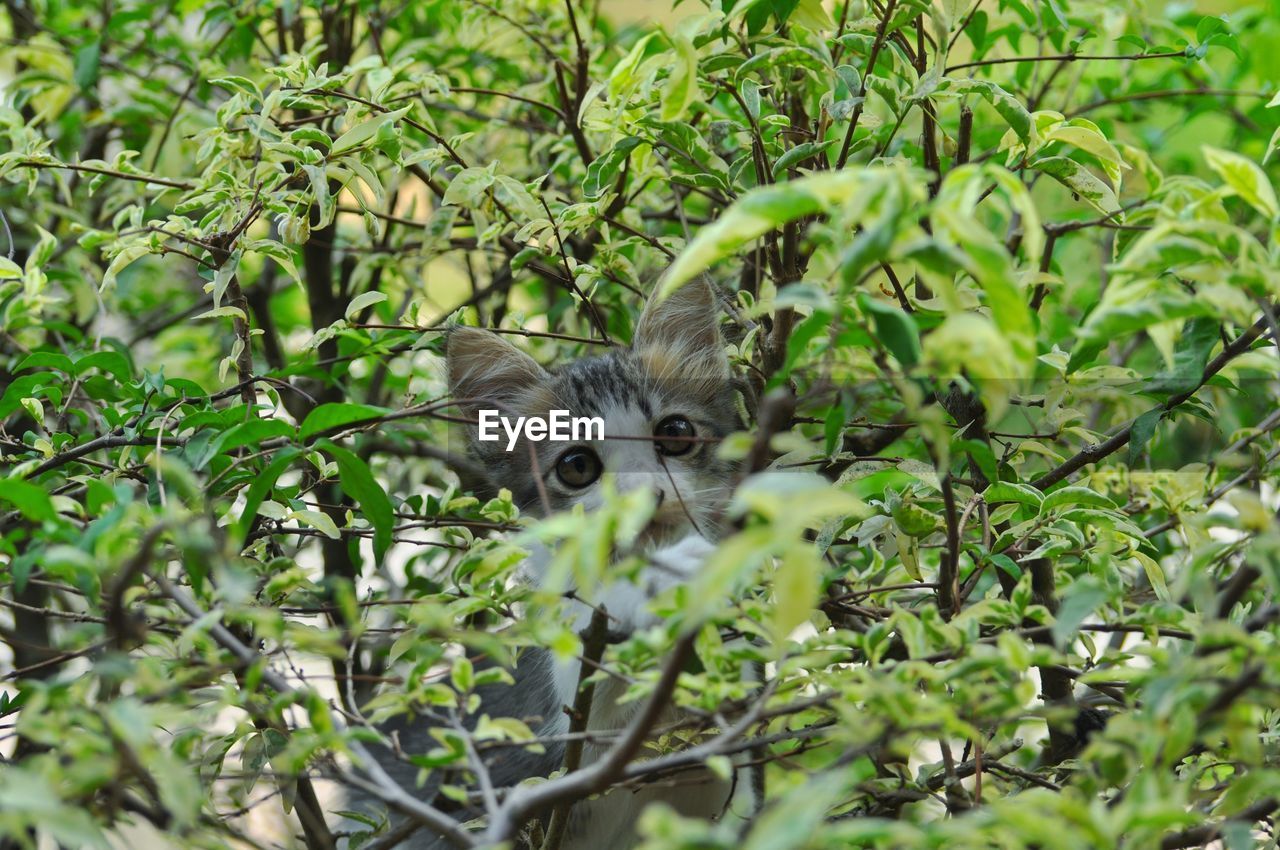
(684, 327)
(485, 369)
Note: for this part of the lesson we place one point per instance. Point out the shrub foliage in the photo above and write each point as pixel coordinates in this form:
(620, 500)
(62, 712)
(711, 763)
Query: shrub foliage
(1001, 281)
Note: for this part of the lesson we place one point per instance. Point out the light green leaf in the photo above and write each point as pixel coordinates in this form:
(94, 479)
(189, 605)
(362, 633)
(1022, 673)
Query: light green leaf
(223, 312)
(366, 130)
(756, 213)
(1005, 491)
(796, 585)
(1081, 599)
(466, 188)
(1009, 107)
(1075, 496)
(682, 85)
(364, 299)
(1086, 136)
(1271, 146)
(1079, 180)
(969, 345)
(1245, 178)
(811, 14)
(317, 520)
(119, 262)
(790, 822)
(1155, 574)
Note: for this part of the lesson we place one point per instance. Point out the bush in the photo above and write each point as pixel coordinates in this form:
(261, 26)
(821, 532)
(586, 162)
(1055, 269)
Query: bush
(1002, 285)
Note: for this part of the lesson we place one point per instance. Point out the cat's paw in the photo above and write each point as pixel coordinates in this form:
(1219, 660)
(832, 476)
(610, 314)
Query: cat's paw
(680, 561)
(628, 602)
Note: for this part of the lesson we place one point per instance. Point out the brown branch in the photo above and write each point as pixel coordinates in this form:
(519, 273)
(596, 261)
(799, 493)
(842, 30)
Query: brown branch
(380, 784)
(1066, 57)
(510, 96)
(964, 137)
(1094, 453)
(524, 800)
(1164, 93)
(109, 172)
(862, 89)
(594, 640)
(109, 441)
(1199, 836)
(949, 566)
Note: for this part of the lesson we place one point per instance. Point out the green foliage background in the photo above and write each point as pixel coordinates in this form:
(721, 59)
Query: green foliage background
(1002, 275)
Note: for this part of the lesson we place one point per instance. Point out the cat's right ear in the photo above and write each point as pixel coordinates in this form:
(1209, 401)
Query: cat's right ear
(485, 369)
(683, 329)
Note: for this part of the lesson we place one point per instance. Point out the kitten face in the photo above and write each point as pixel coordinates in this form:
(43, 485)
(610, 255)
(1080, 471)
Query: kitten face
(665, 402)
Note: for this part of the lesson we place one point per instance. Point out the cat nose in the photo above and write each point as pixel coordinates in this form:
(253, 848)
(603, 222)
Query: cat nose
(662, 495)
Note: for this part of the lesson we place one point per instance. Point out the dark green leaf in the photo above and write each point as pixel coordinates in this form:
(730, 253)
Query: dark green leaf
(360, 485)
(30, 500)
(331, 417)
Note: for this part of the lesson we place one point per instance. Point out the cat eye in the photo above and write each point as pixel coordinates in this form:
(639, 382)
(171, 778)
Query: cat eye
(578, 467)
(673, 435)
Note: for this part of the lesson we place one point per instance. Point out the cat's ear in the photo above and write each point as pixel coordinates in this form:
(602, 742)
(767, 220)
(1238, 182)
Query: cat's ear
(486, 369)
(685, 327)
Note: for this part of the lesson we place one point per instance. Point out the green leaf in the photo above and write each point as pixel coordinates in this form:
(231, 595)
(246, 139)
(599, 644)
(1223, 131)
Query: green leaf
(987, 259)
(108, 361)
(249, 433)
(1081, 599)
(604, 169)
(366, 130)
(799, 340)
(851, 78)
(360, 485)
(1199, 336)
(330, 417)
(1008, 106)
(895, 329)
(18, 389)
(1074, 496)
(1144, 428)
(1079, 180)
(223, 312)
(30, 500)
(750, 91)
(45, 360)
(799, 154)
(260, 487)
(682, 86)
(1245, 178)
(1120, 316)
(466, 188)
(796, 585)
(364, 299)
(756, 213)
(1005, 491)
(88, 61)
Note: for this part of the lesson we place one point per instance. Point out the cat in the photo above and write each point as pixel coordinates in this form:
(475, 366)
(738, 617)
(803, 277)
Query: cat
(673, 386)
